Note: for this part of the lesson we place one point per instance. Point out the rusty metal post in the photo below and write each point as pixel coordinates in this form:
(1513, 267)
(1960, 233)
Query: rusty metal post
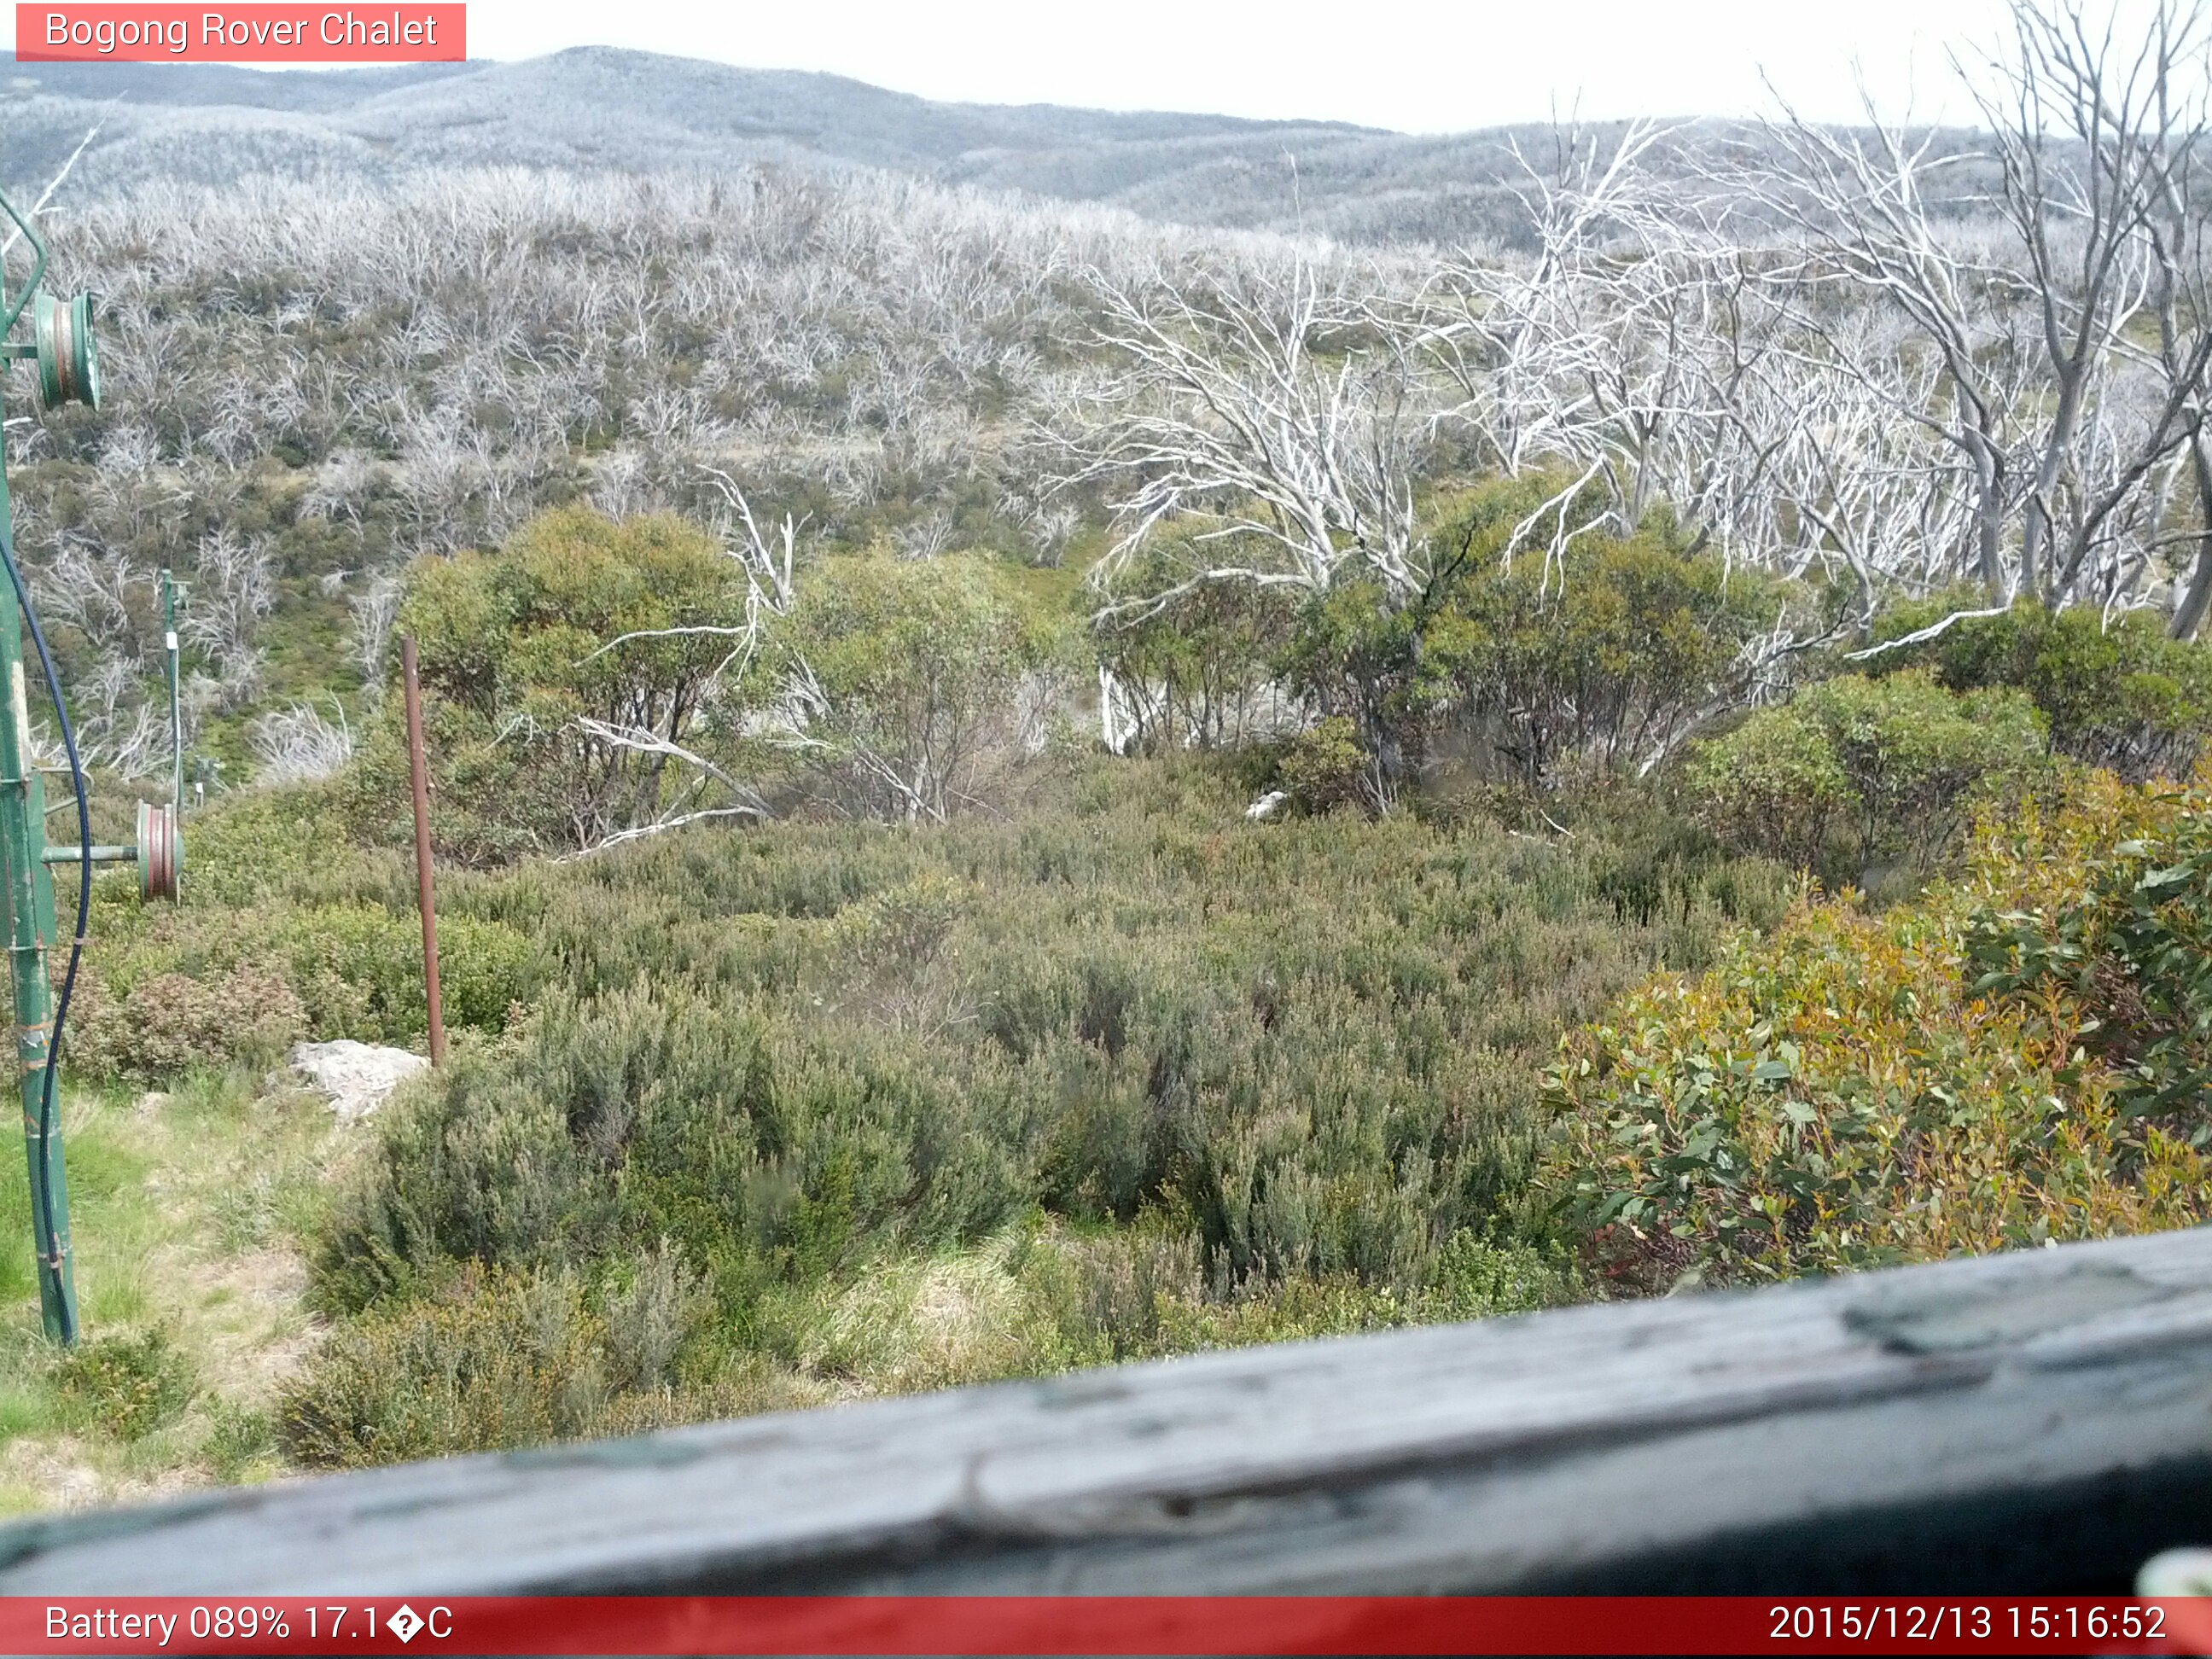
(423, 897)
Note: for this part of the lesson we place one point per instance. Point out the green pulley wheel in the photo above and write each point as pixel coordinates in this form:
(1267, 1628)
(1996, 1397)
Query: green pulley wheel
(68, 361)
(160, 852)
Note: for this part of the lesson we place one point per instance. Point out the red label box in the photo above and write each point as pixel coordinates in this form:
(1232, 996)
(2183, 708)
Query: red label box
(258, 34)
(1250, 1627)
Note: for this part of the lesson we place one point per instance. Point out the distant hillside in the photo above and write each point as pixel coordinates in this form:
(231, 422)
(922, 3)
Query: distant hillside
(596, 108)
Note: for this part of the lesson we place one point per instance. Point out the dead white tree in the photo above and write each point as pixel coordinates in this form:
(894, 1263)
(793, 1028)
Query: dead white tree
(235, 589)
(375, 610)
(299, 745)
(1879, 353)
(1265, 417)
(2169, 147)
(1580, 359)
(2096, 134)
(2035, 318)
(1649, 349)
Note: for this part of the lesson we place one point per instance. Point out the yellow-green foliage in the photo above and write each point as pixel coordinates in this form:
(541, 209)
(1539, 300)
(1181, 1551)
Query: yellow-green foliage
(127, 1383)
(1858, 1090)
(2136, 952)
(497, 1360)
(565, 585)
(589, 677)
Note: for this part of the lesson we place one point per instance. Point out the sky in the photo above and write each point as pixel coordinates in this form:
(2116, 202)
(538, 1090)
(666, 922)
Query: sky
(1415, 66)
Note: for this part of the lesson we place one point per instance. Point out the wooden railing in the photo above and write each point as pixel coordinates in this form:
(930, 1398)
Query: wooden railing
(2036, 1422)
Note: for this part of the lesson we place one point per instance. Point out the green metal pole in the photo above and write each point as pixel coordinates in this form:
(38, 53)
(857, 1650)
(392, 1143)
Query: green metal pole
(102, 853)
(176, 707)
(30, 905)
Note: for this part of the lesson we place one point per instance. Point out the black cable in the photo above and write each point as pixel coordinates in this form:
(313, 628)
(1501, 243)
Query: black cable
(53, 1241)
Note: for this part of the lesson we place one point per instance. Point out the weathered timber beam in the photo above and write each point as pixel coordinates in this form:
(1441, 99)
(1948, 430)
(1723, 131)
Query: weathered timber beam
(2035, 1422)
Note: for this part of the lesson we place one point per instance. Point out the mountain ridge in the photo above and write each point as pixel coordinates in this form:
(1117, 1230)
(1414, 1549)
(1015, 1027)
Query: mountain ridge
(596, 108)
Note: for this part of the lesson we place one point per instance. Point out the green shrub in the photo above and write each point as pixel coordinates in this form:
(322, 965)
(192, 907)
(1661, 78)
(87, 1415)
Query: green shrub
(914, 665)
(1143, 1293)
(762, 1151)
(1607, 663)
(2116, 691)
(209, 984)
(1198, 670)
(359, 970)
(170, 1022)
(1598, 659)
(906, 966)
(483, 1365)
(1856, 771)
(649, 1318)
(1232, 1082)
(255, 844)
(1325, 766)
(286, 930)
(241, 1443)
(490, 1361)
(517, 645)
(1775, 785)
(129, 1383)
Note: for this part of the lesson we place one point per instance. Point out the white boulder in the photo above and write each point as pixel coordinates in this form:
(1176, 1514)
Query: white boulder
(357, 1076)
(1267, 806)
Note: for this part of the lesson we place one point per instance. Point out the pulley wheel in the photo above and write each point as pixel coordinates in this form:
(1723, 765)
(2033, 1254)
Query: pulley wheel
(68, 359)
(160, 852)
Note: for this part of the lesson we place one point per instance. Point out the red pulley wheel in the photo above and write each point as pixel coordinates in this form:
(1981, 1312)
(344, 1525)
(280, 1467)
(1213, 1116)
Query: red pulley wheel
(161, 853)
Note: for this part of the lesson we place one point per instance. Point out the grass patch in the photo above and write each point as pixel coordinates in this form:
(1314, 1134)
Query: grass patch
(188, 1210)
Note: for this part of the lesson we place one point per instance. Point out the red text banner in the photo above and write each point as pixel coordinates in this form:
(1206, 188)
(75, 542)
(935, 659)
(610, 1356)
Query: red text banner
(258, 34)
(903, 1626)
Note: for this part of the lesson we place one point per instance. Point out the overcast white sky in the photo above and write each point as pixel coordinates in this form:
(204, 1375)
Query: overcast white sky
(1419, 65)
